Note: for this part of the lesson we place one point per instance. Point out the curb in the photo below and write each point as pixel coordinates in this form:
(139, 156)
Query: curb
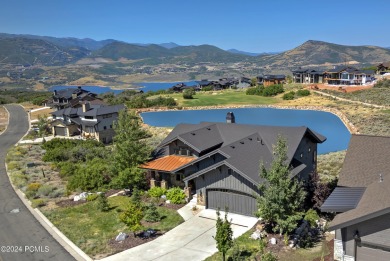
(6, 127)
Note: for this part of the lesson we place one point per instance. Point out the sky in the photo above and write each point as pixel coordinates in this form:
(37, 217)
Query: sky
(248, 25)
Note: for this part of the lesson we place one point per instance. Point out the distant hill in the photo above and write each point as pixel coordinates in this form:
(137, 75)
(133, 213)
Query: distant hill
(323, 53)
(201, 53)
(242, 52)
(169, 45)
(26, 51)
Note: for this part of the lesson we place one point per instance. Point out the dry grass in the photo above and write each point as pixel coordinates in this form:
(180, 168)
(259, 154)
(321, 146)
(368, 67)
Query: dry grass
(3, 119)
(41, 113)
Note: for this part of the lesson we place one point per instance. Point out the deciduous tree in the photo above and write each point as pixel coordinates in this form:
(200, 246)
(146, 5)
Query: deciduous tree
(224, 235)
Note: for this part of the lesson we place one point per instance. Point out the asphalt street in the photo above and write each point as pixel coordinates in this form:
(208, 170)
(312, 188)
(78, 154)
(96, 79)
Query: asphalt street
(22, 238)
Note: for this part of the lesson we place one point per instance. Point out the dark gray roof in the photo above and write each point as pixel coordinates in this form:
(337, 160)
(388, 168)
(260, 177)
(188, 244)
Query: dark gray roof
(244, 145)
(343, 199)
(274, 77)
(367, 157)
(67, 93)
(95, 110)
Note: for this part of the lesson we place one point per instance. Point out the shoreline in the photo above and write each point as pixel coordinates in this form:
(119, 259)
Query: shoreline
(348, 124)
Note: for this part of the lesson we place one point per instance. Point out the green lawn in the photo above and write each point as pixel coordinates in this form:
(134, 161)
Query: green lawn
(250, 248)
(226, 97)
(90, 229)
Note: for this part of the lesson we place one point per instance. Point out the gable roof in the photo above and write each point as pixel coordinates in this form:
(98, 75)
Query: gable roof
(366, 158)
(95, 110)
(366, 163)
(167, 163)
(243, 145)
(67, 93)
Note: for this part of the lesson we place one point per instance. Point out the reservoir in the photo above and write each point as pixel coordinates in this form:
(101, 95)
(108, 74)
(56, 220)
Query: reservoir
(325, 123)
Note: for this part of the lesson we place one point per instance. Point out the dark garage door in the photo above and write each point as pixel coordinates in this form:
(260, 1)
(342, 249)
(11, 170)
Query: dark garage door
(59, 131)
(237, 202)
(369, 254)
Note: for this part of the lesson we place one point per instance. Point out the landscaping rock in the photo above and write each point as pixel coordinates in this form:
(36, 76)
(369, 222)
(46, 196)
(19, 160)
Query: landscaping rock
(273, 241)
(122, 236)
(168, 202)
(163, 197)
(256, 235)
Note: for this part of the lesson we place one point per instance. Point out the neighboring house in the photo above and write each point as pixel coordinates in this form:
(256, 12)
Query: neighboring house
(89, 121)
(346, 75)
(271, 79)
(204, 83)
(219, 162)
(383, 68)
(72, 97)
(307, 76)
(180, 87)
(362, 199)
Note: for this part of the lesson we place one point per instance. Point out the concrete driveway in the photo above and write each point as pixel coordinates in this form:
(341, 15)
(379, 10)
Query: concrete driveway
(192, 240)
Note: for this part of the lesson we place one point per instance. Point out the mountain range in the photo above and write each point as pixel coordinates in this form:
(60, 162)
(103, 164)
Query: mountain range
(46, 50)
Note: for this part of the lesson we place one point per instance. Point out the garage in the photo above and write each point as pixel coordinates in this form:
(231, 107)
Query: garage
(365, 253)
(60, 131)
(237, 202)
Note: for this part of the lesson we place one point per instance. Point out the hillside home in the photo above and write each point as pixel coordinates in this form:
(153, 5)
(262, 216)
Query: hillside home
(346, 75)
(89, 121)
(362, 201)
(218, 163)
(72, 97)
(383, 68)
(270, 79)
(307, 76)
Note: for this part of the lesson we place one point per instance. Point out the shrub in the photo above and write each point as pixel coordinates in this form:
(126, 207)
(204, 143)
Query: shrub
(255, 90)
(188, 93)
(151, 214)
(45, 190)
(207, 88)
(13, 165)
(30, 194)
(176, 195)
(36, 203)
(156, 192)
(311, 216)
(56, 193)
(19, 179)
(33, 187)
(303, 93)
(289, 96)
(273, 90)
(102, 203)
(92, 197)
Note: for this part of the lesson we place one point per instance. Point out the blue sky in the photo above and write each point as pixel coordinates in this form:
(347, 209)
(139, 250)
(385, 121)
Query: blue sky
(249, 25)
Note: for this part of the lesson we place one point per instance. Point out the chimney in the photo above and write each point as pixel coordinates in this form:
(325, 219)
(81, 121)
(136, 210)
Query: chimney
(230, 118)
(380, 178)
(86, 106)
(55, 92)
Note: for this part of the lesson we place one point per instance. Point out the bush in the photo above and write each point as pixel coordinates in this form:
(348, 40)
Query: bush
(30, 194)
(207, 88)
(176, 195)
(289, 96)
(13, 165)
(102, 203)
(19, 179)
(36, 203)
(255, 90)
(156, 192)
(33, 187)
(45, 190)
(151, 214)
(188, 93)
(311, 216)
(92, 197)
(273, 90)
(303, 93)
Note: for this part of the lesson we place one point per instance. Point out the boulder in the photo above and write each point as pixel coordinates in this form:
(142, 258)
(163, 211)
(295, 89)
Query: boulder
(121, 236)
(273, 241)
(256, 235)
(168, 202)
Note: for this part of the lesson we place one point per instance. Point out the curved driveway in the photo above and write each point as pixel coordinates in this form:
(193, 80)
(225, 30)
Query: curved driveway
(21, 232)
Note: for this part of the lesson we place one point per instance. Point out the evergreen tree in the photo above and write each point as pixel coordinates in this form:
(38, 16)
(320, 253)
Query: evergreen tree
(132, 217)
(281, 196)
(151, 214)
(130, 150)
(102, 203)
(224, 235)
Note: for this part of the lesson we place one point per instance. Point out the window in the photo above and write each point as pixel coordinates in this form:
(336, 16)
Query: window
(107, 116)
(178, 177)
(230, 172)
(89, 117)
(105, 127)
(110, 126)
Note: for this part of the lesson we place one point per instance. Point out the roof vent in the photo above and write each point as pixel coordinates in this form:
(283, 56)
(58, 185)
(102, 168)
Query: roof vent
(208, 128)
(193, 134)
(232, 147)
(380, 178)
(241, 142)
(250, 139)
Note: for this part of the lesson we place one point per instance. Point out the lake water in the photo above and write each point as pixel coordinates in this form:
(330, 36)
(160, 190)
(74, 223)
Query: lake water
(146, 86)
(325, 123)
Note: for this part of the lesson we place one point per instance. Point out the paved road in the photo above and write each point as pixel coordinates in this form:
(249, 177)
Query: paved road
(21, 230)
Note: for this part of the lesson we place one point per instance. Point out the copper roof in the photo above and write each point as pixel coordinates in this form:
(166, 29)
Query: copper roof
(167, 163)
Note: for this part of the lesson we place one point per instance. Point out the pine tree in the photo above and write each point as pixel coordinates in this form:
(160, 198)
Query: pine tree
(224, 235)
(151, 214)
(132, 217)
(282, 197)
(130, 150)
(102, 203)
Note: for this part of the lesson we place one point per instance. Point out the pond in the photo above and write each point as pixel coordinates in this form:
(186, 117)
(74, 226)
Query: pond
(325, 123)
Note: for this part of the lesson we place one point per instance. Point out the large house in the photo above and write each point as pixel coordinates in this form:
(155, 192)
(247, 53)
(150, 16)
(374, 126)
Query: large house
(89, 121)
(362, 201)
(347, 75)
(72, 97)
(307, 76)
(271, 79)
(383, 68)
(219, 162)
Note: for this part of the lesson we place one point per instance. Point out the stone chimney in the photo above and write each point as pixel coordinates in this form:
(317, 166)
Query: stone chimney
(230, 118)
(86, 106)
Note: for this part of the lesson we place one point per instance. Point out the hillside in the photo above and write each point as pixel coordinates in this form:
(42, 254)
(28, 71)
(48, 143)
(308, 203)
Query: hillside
(186, 54)
(323, 53)
(37, 52)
